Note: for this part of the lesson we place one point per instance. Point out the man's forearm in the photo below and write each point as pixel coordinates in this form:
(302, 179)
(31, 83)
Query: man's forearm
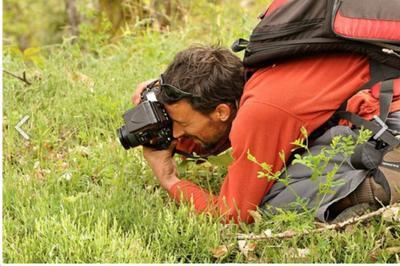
(167, 182)
(163, 166)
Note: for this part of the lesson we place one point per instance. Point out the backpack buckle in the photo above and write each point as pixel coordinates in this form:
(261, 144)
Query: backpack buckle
(382, 130)
(239, 45)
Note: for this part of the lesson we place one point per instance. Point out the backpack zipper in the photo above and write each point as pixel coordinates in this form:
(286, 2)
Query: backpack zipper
(282, 44)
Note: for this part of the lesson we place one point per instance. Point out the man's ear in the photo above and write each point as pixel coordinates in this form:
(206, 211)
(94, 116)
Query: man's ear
(223, 112)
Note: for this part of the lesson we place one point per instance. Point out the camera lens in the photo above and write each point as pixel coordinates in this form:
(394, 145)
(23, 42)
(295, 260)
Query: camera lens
(128, 140)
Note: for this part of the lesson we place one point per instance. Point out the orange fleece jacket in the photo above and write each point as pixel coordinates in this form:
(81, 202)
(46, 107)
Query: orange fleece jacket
(277, 101)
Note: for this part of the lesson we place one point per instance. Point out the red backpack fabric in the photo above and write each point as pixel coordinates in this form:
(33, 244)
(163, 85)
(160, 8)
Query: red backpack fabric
(292, 28)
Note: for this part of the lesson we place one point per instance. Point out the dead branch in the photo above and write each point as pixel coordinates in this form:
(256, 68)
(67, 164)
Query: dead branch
(290, 234)
(23, 78)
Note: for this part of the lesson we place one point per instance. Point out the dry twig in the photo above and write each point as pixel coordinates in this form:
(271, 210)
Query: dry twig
(23, 78)
(290, 233)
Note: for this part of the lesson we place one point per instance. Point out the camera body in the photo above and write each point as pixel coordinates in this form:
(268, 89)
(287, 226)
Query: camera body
(147, 124)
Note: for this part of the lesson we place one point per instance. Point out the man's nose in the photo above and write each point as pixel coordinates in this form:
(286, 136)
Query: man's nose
(177, 131)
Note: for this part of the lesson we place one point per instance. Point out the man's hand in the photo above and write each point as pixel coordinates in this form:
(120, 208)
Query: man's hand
(138, 91)
(163, 165)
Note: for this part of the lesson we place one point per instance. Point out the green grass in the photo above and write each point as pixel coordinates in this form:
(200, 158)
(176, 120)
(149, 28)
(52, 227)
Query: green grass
(72, 194)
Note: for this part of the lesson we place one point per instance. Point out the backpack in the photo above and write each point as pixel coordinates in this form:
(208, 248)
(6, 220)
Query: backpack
(295, 28)
(291, 28)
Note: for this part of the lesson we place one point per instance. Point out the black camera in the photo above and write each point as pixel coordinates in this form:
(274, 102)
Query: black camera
(147, 124)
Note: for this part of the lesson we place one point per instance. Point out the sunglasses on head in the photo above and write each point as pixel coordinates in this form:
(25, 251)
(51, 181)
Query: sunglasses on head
(171, 92)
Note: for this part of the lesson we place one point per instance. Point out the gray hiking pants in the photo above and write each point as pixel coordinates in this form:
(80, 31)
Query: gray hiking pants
(301, 186)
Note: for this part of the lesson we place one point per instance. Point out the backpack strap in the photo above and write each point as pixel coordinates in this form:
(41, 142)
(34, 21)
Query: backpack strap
(379, 72)
(385, 98)
(379, 128)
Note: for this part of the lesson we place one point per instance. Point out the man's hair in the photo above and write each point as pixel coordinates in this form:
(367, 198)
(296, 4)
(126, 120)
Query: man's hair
(212, 73)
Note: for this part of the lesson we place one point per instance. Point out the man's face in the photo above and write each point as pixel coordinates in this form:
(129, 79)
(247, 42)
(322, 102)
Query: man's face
(205, 130)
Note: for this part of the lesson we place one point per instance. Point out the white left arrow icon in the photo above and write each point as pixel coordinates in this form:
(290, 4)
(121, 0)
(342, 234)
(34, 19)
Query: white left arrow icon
(18, 127)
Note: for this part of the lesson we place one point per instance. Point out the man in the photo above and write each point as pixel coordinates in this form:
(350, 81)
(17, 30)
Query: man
(211, 108)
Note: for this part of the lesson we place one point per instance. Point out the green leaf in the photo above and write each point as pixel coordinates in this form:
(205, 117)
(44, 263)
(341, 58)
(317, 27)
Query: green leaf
(266, 167)
(304, 132)
(299, 143)
(251, 158)
(282, 156)
(223, 159)
(31, 51)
